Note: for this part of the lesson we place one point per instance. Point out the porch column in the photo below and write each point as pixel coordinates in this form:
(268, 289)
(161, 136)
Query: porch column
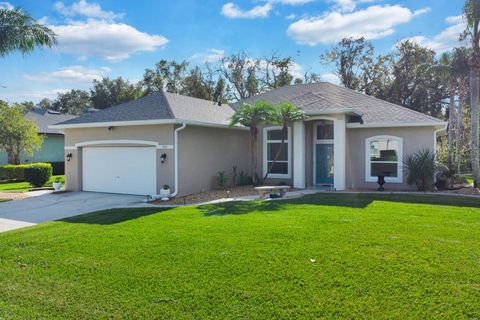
(339, 151)
(299, 154)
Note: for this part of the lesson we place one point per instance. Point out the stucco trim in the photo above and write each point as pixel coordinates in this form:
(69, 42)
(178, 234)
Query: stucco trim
(104, 142)
(389, 125)
(368, 177)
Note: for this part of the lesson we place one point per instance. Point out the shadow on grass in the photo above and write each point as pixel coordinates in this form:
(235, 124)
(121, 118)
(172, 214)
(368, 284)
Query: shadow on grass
(113, 216)
(347, 200)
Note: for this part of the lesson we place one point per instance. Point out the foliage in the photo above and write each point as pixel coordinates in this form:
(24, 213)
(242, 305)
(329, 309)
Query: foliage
(251, 116)
(421, 168)
(20, 32)
(17, 134)
(25, 186)
(202, 262)
(221, 179)
(166, 75)
(12, 172)
(110, 92)
(59, 179)
(244, 179)
(73, 102)
(38, 174)
(166, 187)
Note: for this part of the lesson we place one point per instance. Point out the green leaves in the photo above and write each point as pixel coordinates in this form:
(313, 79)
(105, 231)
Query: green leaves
(421, 169)
(20, 32)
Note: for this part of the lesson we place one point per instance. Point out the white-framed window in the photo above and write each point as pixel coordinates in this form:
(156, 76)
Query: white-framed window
(272, 140)
(384, 156)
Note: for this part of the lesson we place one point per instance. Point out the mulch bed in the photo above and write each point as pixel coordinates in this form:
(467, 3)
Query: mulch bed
(211, 195)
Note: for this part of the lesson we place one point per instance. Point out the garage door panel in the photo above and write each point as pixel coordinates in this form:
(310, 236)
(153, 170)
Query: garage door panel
(128, 170)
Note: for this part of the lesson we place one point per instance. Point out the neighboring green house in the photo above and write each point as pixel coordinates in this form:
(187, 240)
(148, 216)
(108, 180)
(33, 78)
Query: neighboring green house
(52, 150)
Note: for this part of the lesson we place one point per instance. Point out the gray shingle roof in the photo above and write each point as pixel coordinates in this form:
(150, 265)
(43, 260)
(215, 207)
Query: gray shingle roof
(44, 118)
(158, 106)
(324, 96)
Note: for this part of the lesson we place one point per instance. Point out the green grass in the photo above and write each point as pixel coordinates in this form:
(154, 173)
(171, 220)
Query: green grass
(375, 257)
(469, 178)
(23, 186)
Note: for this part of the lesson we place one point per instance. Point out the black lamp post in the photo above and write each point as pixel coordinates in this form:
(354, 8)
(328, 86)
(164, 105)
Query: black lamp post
(381, 182)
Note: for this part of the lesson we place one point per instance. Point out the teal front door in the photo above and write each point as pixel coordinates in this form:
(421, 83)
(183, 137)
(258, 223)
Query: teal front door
(324, 164)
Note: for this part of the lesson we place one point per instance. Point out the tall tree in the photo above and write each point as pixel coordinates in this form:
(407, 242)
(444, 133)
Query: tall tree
(276, 72)
(20, 32)
(17, 134)
(73, 102)
(167, 75)
(285, 114)
(461, 70)
(240, 72)
(251, 116)
(445, 70)
(106, 92)
(471, 12)
(45, 103)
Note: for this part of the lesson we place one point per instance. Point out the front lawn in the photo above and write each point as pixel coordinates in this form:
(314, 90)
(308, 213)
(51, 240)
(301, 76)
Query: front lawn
(23, 186)
(324, 256)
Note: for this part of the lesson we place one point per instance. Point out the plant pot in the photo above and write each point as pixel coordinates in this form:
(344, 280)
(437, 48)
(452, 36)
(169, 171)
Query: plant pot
(165, 193)
(57, 186)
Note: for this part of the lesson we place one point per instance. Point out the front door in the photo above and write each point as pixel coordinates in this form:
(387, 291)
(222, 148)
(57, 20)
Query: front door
(324, 163)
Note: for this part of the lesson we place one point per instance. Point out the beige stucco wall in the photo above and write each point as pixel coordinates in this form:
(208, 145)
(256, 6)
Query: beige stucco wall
(204, 151)
(163, 134)
(414, 139)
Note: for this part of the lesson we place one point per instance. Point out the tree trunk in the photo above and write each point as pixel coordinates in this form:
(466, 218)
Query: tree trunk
(253, 153)
(451, 115)
(474, 91)
(458, 143)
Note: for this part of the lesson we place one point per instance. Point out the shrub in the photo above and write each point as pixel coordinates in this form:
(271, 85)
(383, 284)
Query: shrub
(222, 179)
(13, 172)
(38, 174)
(421, 169)
(244, 179)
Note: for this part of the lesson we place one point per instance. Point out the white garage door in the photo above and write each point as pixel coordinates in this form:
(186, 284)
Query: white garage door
(129, 170)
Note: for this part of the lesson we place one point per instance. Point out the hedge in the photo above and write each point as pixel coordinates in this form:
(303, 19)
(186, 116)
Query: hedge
(38, 174)
(16, 172)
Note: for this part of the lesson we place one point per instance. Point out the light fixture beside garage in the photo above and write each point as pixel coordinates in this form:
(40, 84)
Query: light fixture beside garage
(69, 156)
(110, 128)
(163, 157)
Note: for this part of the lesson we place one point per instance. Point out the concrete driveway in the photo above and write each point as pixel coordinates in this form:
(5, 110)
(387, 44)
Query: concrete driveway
(30, 211)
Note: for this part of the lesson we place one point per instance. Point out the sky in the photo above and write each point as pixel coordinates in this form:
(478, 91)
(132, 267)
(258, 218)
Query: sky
(123, 37)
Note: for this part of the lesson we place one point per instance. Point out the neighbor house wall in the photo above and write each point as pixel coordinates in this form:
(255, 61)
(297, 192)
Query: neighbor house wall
(414, 139)
(204, 151)
(162, 134)
(52, 150)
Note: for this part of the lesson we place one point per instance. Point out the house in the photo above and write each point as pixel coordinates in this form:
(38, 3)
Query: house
(52, 150)
(347, 140)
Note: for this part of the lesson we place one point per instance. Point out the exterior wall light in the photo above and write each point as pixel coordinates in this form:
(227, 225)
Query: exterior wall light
(69, 156)
(163, 157)
(110, 128)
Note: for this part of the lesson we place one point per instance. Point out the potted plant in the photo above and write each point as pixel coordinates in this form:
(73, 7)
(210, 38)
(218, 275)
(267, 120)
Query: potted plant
(57, 183)
(165, 191)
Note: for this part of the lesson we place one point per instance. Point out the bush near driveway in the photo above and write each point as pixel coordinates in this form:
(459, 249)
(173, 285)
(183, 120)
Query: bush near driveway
(11, 172)
(38, 174)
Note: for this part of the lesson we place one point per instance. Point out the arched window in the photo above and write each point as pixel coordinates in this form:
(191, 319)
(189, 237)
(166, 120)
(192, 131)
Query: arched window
(272, 140)
(384, 156)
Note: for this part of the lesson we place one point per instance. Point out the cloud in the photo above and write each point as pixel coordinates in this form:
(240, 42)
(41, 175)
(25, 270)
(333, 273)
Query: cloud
(349, 5)
(291, 2)
(72, 74)
(330, 77)
(6, 5)
(445, 40)
(291, 16)
(83, 8)
(232, 11)
(105, 40)
(372, 23)
(211, 55)
(32, 95)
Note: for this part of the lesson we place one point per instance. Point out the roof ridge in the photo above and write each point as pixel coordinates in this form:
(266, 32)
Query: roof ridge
(167, 104)
(385, 101)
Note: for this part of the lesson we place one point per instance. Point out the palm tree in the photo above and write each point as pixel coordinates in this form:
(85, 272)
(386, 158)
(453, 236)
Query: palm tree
(444, 69)
(20, 32)
(285, 114)
(251, 116)
(461, 69)
(471, 12)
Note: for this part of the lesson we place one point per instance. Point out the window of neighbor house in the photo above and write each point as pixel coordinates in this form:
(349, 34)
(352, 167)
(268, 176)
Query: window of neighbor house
(272, 141)
(384, 157)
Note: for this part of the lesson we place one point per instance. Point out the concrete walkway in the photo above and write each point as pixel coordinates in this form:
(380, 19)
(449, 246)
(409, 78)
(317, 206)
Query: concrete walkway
(27, 212)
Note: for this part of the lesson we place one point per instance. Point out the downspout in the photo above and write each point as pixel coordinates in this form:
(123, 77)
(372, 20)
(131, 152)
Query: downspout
(184, 125)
